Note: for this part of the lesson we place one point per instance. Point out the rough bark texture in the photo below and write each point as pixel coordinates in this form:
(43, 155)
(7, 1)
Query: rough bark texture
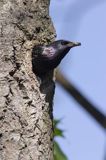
(25, 100)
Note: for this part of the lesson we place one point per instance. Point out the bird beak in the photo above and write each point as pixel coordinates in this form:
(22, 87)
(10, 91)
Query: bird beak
(73, 44)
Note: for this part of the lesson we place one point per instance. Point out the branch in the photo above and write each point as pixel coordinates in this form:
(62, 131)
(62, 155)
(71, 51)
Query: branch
(82, 100)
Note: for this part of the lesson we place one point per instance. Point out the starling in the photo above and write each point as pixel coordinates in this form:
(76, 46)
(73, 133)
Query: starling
(47, 57)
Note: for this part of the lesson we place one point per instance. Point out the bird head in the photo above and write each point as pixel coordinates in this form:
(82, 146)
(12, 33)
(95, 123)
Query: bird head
(48, 57)
(57, 50)
(54, 49)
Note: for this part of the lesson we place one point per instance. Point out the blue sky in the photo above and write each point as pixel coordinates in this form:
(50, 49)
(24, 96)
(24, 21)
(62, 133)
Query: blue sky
(84, 21)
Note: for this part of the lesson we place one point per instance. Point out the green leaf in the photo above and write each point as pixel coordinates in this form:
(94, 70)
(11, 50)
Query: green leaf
(58, 132)
(56, 122)
(58, 153)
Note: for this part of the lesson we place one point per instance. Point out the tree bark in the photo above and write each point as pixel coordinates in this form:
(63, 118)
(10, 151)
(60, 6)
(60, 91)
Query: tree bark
(26, 131)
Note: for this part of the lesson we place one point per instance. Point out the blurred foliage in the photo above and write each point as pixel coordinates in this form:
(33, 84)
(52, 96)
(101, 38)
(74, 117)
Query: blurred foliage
(57, 131)
(58, 153)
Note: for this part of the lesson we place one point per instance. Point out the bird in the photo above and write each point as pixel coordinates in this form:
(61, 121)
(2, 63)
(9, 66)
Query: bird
(46, 58)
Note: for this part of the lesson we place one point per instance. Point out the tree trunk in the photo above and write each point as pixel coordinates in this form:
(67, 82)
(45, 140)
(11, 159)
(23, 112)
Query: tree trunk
(26, 131)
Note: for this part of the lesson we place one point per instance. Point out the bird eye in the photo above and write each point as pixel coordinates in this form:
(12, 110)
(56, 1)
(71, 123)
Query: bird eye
(64, 42)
